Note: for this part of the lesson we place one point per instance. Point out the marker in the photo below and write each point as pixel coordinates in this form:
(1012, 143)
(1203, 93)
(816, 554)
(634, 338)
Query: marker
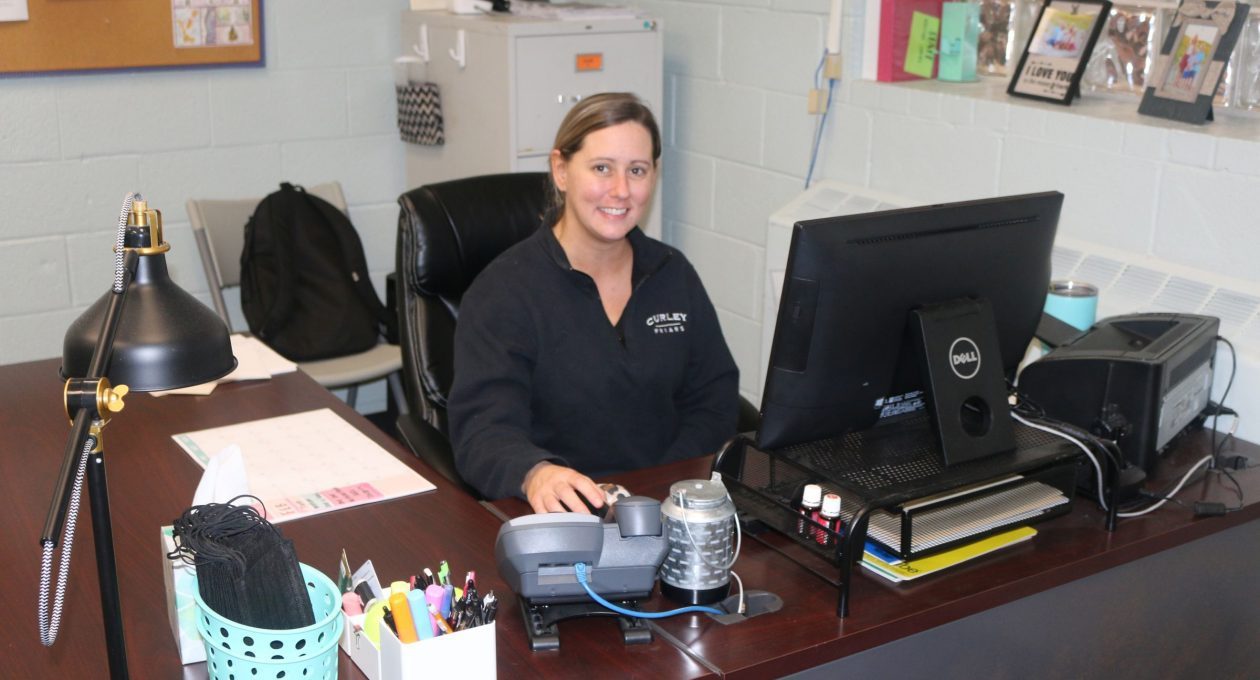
(344, 576)
(373, 614)
(424, 627)
(428, 577)
(351, 604)
(364, 589)
(433, 597)
(404, 624)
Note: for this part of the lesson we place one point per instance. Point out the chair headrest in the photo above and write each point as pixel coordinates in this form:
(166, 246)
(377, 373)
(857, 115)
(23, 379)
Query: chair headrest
(461, 225)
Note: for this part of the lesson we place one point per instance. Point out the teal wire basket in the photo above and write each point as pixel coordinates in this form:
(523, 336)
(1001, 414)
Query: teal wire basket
(238, 652)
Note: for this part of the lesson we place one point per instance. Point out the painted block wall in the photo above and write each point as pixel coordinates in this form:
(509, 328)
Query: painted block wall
(71, 146)
(737, 77)
(737, 149)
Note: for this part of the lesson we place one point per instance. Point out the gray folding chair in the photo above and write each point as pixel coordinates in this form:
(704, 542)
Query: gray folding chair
(219, 227)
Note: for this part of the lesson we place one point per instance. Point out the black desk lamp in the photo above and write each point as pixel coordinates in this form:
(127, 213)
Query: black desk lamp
(146, 334)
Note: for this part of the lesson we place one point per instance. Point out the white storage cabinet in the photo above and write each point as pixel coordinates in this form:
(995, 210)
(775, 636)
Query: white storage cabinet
(518, 77)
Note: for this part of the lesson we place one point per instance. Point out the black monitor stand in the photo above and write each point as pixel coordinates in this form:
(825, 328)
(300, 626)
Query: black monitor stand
(965, 386)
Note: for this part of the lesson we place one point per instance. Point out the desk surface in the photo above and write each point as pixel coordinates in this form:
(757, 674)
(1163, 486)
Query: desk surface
(151, 481)
(806, 632)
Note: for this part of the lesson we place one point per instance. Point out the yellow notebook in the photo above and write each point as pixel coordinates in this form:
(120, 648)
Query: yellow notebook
(906, 571)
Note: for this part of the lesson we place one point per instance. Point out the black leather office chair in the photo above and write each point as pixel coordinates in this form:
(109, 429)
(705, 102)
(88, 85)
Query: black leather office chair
(447, 233)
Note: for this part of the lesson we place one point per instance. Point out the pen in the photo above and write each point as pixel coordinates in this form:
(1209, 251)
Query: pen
(448, 593)
(441, 622)
(444, 573)
(428, 577)
(489, 607)
(458, 616)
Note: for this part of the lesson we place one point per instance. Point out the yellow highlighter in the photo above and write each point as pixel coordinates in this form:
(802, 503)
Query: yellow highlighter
(403, 623)
(372, 617)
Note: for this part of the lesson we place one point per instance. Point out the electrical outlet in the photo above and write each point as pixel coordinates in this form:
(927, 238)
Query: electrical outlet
(832, 67)
(817, 102)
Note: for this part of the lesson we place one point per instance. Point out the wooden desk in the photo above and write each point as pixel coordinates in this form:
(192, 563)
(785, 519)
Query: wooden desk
(151, 482)
(1165, 595)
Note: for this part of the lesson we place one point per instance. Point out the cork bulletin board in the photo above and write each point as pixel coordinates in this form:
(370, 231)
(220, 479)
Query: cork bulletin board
(89, 35)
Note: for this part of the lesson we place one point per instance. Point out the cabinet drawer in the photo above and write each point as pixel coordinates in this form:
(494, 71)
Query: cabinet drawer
(554, 72)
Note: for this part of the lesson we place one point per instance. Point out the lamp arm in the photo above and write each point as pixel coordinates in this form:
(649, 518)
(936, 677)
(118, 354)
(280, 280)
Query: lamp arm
(83, 402)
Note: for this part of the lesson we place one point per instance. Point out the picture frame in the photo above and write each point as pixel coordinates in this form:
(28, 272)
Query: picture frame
(1058, 50)
(1192, 60)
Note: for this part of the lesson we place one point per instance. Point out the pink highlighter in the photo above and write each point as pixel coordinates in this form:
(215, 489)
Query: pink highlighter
(433, 595)
(351, 604)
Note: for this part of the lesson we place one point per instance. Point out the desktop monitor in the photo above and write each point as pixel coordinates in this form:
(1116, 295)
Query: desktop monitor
(844, 352)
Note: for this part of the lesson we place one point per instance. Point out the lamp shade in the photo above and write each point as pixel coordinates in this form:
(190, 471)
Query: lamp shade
(165, 338)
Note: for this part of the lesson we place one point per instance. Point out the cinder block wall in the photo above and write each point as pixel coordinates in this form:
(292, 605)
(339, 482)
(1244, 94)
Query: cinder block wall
(737, 78)
(71, 146)
(737, 148)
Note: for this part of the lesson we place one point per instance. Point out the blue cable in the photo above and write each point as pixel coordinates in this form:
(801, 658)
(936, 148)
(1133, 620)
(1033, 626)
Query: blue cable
(822, 125)
(580, 568)
(822, 122)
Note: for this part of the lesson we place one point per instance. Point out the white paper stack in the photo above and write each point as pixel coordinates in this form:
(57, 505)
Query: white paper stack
(932, 527)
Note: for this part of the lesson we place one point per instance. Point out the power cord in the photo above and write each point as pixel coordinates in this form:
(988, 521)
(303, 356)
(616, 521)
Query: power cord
(1102, 502)
(1220, 407)
(739, 536)
(1099, 472)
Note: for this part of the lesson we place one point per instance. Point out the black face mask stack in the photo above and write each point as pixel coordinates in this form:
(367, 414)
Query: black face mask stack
(246, 570)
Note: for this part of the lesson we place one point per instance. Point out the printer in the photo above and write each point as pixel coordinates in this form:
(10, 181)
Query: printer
(1138, 379)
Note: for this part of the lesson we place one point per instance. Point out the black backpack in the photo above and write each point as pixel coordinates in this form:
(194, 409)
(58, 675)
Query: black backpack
(305, 289)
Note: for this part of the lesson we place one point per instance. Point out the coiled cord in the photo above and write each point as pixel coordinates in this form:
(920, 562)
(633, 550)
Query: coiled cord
(50, 624)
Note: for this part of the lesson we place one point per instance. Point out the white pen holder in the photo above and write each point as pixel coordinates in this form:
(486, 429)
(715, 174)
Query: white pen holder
(469, 653)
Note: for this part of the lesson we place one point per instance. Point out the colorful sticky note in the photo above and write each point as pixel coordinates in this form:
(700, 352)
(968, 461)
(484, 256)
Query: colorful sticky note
(921, 48)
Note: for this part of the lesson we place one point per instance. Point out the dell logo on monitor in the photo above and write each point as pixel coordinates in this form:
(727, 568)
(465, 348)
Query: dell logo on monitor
(964, 358)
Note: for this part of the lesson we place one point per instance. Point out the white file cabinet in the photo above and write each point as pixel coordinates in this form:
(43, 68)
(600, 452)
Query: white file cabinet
(507, 81)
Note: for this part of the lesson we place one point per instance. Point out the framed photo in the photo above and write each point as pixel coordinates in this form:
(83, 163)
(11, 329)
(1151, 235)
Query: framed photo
(1055, 57)
(1192, 60)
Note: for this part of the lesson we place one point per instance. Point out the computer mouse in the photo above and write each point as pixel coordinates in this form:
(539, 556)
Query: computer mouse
(600, 512)
(613, 492)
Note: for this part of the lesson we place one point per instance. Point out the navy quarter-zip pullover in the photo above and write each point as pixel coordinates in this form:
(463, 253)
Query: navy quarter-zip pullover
(541, 374)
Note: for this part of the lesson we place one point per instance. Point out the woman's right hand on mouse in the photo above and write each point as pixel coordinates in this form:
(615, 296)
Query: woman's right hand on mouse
(555, 488)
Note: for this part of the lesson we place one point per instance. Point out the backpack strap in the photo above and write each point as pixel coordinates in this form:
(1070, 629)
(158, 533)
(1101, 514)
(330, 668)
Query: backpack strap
(285, 237)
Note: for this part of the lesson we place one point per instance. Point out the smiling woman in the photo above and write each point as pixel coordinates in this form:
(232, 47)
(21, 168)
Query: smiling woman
(589, 349)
